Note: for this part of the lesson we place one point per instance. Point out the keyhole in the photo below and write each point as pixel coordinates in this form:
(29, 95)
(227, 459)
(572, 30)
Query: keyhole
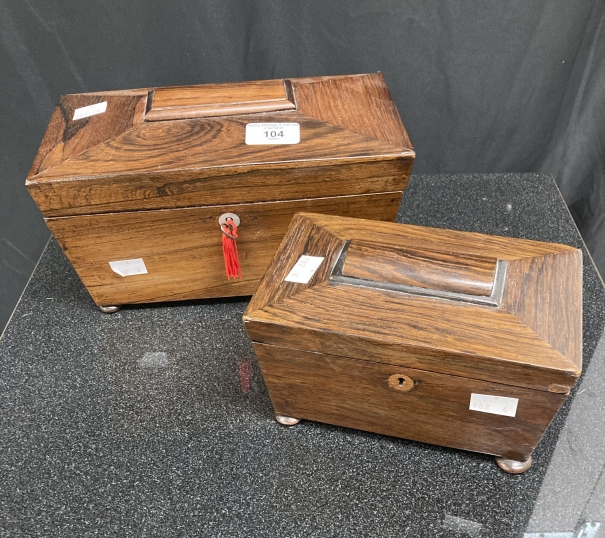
(401, 382)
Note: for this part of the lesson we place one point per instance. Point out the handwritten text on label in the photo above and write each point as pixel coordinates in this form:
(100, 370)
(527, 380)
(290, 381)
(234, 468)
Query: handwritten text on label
(129, 267)
(497, 405)
(304, 269)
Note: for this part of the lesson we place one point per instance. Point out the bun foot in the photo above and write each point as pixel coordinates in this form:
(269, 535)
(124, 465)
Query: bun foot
(514, 466)
(109, 309)
(285, 420)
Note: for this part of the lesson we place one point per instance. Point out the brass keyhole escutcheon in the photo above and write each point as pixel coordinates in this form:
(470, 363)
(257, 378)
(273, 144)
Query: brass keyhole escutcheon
(401, 382)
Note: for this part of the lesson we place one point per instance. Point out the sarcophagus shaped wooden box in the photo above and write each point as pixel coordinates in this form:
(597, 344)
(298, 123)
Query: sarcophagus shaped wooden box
(140, 178)
(451, 338)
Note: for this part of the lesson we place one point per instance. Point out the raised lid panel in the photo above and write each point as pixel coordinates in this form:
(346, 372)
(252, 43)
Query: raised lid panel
(218, 100)
(447, 271)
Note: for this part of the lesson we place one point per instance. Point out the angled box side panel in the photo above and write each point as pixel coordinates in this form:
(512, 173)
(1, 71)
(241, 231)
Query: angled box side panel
(362, 104)
(67, 137)
(545, 293)
(199, 144)
(302, 238)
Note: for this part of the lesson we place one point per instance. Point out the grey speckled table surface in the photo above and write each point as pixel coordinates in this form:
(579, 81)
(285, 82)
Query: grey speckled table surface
(155, 422)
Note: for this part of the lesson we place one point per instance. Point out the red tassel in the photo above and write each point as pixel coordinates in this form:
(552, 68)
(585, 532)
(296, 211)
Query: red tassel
(232, 266)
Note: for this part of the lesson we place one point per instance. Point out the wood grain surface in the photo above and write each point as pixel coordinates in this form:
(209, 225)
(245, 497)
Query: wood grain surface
(244, 184)
(218, 100)
(115, 161)
(182, 248)
(423, 268)
(356, 394)
(66, 138)
(108, 184)
(205, 162)
(507, 344)
(545, 293)
(360, 103)
(198, 144)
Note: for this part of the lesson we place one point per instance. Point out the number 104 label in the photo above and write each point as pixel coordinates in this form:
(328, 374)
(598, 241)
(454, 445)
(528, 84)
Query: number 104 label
(272, 133)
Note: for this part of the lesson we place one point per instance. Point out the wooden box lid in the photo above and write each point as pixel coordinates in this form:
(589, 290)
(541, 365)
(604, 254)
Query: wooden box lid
(471, 305)
(185, 146)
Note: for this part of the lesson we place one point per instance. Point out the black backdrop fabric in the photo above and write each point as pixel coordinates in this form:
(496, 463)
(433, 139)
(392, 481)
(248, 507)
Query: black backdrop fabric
(482, 87)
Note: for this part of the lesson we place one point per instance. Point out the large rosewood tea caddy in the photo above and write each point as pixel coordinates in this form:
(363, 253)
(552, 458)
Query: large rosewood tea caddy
(452, 338)
(140, 178)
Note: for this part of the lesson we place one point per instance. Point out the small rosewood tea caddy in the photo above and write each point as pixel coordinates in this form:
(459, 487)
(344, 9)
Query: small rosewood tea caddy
(133, 183)
(451, 338)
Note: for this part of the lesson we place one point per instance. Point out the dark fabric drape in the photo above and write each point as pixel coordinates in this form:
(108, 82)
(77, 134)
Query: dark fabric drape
(481, 86)
(575, 153)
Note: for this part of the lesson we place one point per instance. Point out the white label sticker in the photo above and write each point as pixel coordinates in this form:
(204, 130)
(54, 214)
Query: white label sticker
(129, 267)
(90, 110)
(304, 269)
(497, 405)
(272, 133)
